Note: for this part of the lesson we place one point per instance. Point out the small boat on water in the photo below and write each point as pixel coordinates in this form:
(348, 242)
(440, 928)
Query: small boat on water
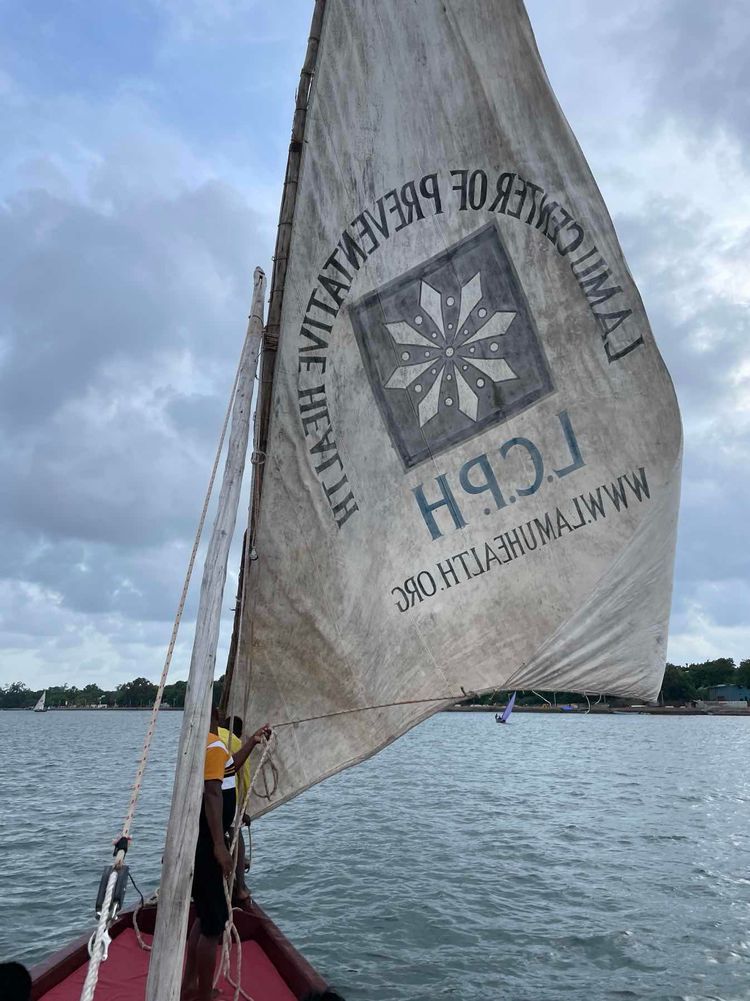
(466, 454)
(41, 706)
(504, 716)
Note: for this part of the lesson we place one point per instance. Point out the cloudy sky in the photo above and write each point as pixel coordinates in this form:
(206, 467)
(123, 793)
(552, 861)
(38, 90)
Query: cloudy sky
(142, 148)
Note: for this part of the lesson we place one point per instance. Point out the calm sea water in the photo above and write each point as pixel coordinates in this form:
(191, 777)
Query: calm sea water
(566, 858)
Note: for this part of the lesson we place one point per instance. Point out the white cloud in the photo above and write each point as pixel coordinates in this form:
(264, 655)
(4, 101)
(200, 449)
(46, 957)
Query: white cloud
(697, 635)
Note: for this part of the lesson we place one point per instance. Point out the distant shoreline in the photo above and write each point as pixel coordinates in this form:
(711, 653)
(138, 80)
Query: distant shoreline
(93, 709)
(594, 710)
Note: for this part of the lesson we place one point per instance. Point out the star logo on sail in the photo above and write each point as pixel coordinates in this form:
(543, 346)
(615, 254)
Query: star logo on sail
(451, 347)
(449, 367)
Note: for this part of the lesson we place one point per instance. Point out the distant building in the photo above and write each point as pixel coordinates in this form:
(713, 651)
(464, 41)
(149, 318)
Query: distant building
(728, 693)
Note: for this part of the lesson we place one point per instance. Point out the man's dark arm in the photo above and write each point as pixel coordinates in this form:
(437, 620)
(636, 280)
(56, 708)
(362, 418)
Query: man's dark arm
(212, 802)
(241, 756)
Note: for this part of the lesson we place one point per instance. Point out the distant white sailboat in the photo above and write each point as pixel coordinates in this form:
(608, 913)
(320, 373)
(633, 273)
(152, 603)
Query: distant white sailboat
(41, 707)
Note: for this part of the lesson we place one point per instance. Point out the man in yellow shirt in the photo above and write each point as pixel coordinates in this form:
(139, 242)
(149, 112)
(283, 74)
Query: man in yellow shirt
(233, 740)
(213, 861)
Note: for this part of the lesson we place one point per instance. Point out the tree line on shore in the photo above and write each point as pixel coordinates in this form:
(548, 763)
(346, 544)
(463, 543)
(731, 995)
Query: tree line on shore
(682, 683)
(136, 694)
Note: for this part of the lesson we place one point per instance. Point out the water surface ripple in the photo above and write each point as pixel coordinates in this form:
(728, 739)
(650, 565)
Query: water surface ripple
(566, 858)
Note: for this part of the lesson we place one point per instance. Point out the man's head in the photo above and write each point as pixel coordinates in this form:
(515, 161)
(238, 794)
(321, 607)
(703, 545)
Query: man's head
(237, 725)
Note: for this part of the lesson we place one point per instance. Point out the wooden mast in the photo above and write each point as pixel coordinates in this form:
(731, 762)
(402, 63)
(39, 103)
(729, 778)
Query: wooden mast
(271, 335)
(165, 969)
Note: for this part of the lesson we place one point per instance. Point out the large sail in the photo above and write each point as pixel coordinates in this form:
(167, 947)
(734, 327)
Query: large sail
(472, 475)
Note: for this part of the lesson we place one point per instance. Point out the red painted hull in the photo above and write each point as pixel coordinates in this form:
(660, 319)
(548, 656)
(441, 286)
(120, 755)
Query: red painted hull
(273, 970)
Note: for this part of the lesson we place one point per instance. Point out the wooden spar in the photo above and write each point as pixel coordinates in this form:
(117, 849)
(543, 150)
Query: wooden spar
(271, 337)
(165, 969)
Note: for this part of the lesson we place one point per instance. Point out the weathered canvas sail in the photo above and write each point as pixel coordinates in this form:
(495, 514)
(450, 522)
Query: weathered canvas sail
(472, 473)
